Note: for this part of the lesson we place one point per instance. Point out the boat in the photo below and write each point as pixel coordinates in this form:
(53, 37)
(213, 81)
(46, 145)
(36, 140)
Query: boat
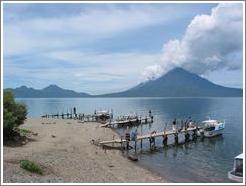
(103, 115)
(213, 127)
(236, 174)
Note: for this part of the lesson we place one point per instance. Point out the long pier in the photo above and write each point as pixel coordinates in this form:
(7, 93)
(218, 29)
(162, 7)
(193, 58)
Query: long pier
(81, 117)
(104, 117)
(170, 132)
(98, 116)
(153, 135)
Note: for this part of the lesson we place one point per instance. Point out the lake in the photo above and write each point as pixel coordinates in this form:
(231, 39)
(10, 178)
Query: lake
(201, 161)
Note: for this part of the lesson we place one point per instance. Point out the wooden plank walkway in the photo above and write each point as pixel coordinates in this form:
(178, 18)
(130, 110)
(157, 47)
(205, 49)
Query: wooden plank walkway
(152, 135)
(113, 141)
(170, 132)
(147, 119)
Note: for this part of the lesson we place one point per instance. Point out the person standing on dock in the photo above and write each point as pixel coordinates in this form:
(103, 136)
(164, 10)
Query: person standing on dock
(174, 124)
(74, 112)
(149, 113)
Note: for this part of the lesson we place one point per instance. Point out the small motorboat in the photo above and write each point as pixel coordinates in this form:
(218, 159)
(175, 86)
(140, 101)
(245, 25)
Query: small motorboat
(236, 174)
(213, 127)
(103, 115)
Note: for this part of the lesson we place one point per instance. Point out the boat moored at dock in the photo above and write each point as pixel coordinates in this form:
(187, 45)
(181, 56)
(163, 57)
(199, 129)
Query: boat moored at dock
(213, 127)
(103, 115)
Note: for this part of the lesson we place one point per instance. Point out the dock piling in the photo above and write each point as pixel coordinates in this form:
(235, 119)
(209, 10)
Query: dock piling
(176, 138)
(165, 138)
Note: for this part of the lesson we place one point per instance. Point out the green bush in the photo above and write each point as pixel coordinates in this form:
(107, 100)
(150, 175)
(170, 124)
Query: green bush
(31, 166)
(25, 132)
(14, 114)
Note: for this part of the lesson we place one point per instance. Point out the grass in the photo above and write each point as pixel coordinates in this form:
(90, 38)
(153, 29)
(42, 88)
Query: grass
(31, 166)
(25, 131)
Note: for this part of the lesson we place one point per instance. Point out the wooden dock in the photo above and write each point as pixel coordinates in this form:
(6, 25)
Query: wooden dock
(98, 116)
(105, 117)
(167, 133)
(153, 135)
(129, 122)
(113, 141)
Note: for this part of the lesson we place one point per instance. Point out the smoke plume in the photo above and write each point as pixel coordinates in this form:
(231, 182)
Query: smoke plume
(210, 42)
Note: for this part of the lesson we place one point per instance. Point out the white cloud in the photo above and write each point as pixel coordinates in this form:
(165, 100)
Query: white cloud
(61, 49)
(45, 33)
(211, 42)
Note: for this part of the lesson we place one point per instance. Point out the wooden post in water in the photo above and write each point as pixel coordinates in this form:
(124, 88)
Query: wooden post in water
(186, 134)
(176, 138)
(194, 135)
(135, 139)
(141, 129)
(165, 138)
(150, 143)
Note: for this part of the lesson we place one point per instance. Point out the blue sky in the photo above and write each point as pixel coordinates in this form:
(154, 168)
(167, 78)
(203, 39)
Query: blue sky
(102, 48)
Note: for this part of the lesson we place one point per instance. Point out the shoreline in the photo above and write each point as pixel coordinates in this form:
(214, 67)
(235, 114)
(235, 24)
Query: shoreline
(63, 148)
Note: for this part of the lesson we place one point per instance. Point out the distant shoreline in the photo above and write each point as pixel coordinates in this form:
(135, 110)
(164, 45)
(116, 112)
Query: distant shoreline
(177, 82)
(63, 147)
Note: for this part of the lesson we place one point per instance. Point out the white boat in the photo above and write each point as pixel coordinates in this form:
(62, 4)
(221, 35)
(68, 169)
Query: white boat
(102, 112)
(236, 174)
(103, 115)
(213, 127)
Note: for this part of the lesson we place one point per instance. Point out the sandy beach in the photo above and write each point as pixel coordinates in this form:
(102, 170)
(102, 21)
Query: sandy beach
(63, 148)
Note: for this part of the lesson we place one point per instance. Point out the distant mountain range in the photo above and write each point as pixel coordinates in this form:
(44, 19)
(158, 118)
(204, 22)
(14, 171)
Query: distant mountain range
(176, 83)
(52, 91)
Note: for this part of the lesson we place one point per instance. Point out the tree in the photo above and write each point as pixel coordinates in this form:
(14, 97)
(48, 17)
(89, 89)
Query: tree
(14, 114)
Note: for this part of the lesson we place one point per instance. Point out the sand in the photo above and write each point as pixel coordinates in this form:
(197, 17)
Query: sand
(63, 148)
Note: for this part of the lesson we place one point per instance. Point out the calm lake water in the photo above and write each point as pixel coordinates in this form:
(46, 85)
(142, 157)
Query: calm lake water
(201, 161)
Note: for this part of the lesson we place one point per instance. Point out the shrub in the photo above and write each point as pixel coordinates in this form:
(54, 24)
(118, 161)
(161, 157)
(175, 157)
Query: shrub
(24, 132)
(14, 114)
(20, 112)
(31, 166)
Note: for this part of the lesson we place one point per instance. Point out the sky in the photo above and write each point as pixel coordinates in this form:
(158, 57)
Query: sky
(104, 48)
